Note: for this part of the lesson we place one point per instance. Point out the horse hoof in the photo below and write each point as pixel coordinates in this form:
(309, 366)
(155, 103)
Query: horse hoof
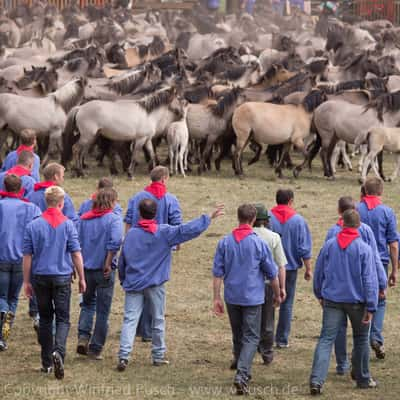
(296, 172)
(360, 181)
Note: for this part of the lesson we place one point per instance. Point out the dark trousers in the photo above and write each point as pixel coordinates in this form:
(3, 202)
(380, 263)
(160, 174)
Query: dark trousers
(332, 322)
(53, 294)
(267, 326)
(246, 325)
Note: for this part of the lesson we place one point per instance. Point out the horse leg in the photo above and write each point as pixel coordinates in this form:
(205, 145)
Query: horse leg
(257, 148)
(335, 156)
(54, 147)
(181, 160)
(330, 149)
(285, 150)
(171, 159)
(150, 151)
(176, 160)
(206, 153)
(397, 169)
(346, 160)
(138, 146)
(366, 163)
(380, 164)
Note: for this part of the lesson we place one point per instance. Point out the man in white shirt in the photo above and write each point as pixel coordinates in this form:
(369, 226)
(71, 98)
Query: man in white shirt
(273, 240)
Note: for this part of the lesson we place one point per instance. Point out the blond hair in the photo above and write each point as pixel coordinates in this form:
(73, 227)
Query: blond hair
(54, 195)
(51, 170)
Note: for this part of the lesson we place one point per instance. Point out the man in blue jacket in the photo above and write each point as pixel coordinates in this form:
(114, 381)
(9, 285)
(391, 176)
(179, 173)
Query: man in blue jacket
(346, 284)
(144, 268)
(296, 240)
(28, 143)
(168, 212)
(382, 220)
(51, 250)
(23, 169)
(15, 214)
(347, 203)
(100, 235)
(242, 262)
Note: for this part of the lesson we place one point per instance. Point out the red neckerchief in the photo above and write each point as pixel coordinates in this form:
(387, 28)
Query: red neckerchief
(340, 222)
(148, 225)
(18, 170)
(283, 213)
(22, 148)
(96, 213)
(157, 189)
(93, 196)
(346, 236)
(242, 231)
(13, 195)
(372, 201)
(54, 217)
(43, 185)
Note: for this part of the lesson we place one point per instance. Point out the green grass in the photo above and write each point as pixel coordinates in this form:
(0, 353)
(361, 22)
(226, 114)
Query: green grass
(199, 344)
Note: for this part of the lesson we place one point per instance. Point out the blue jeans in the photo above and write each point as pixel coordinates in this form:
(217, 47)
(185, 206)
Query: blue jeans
(246, 326)
(342, 362)
(266, 344)
(332, 321)
(96, 300)
(145, 321)
(286, 309)
(134, 302)
(53, 294)
(379, 317)
(11, 280)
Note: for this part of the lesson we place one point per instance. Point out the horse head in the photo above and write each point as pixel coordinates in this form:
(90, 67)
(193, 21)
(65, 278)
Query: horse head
(388, 66)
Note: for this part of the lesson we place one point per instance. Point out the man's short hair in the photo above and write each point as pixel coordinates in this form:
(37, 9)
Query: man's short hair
(28, 137)
(12, 183)
(148, 209)
(105, 183)
(51, 170)
(346, 203)
(159, 173)
(54, 195)
(105, 199)
(374, 186)
(351, 219)
(283, 196)
(246, 213)
(25, 158)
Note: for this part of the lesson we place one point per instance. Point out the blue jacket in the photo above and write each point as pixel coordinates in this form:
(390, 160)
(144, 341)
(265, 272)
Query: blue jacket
(27, 183)
(51, 247)
(15, 215)
(367, 236)
(244, 266)
(68, 210)
(296, 240)
(11, 161)
(145, 258)
(99, 236)
(88, 204)
(382, 221)
(168, 209)
(346, 275)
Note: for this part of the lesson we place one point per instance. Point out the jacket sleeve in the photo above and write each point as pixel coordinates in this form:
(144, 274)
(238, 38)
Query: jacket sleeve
(185, 232)
(69, 210)
(329, 234)
(129, 213)
(267, 264)
(304, 241)
(380, 270)
(391, 230)
(73, 244)
(118, 209)
(29, 186)
(115, 236)
(121, 266)
(28, 241)
(369, 280)
(219, 260)
(174, 212)
(319, 273)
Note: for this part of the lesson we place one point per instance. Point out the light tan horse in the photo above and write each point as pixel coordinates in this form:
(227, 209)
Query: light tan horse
(274, 124)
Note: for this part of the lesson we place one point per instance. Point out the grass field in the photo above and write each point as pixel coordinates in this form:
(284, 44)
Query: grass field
(199, 344)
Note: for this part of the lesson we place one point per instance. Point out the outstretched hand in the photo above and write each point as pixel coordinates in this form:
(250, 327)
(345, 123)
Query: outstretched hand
(219, 210)
(218, 307)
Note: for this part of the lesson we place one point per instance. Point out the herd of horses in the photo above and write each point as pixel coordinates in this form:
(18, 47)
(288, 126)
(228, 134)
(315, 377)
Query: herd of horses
(106, 81)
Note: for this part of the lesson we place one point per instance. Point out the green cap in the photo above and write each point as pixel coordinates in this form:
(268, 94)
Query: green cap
(262, 212)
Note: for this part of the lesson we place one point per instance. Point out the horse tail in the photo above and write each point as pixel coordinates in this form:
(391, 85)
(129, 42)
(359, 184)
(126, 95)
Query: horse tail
(316, 146)
(70, 136)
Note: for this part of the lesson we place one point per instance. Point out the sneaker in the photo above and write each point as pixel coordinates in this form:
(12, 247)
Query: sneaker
(379, 350)
(282, 345)
(160, 363)
(233, 365)
(83, 346)
(267, 360)
(58, 365)
(315, 389)
(242, 386)
(46, 370)
(371, 384)
(93, 355)
(122, 364)
(8, 320)
(3, 345)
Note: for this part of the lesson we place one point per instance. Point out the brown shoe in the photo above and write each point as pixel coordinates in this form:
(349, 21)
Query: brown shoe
(83, 346)
(379, 350)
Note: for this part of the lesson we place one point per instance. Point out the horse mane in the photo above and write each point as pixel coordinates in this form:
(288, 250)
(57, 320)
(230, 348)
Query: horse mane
(69, 95)
(74, 64)
(128, 82)
(377, 83)
(227, 100)
(313, 100)
(354, 61)
(235, 73)
(157, 46)
(196, 94)
(387, 102)
(143, 50)
(316, 67)
(158, 100)
(294, 84)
